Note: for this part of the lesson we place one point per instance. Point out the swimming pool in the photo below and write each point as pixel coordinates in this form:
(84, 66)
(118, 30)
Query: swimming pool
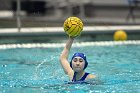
(37, 70)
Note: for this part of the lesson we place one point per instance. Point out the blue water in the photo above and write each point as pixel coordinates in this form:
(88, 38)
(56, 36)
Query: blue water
(37, 70)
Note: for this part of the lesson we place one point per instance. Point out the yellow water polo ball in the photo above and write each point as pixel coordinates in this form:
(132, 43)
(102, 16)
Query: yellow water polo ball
(120, 35)
(73, 26)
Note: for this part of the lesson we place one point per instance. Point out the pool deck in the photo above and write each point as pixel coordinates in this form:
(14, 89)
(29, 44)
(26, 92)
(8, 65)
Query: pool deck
(58, 31)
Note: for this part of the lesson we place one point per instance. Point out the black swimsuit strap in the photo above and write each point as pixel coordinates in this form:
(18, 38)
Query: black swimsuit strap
(74, 76)
(84, 77)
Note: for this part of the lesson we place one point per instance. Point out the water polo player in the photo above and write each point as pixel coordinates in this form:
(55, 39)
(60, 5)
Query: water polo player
(74, 69)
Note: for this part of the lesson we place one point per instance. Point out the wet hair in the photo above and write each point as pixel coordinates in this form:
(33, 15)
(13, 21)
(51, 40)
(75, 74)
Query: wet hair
(79, 55)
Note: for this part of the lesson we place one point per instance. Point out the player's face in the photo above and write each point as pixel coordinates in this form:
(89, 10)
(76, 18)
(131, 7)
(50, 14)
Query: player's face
(78, 64)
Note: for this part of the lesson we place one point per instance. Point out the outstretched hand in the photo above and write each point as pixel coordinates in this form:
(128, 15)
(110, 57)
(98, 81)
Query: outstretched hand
(73, 36)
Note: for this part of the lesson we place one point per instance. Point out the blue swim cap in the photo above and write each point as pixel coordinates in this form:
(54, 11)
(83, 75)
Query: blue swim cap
(79, 55)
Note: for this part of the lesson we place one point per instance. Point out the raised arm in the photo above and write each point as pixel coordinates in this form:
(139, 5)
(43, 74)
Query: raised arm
(64, 57)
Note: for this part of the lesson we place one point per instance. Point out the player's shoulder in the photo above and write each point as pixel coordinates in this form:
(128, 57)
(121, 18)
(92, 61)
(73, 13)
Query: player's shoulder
(90, 76)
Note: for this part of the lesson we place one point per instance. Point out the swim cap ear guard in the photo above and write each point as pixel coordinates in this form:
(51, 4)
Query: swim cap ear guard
(79, 55)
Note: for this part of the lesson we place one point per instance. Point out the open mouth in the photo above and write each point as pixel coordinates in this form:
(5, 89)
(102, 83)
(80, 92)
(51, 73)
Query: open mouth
(78, 67)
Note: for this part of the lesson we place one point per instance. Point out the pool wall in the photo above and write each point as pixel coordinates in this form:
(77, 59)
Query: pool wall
(57, 34)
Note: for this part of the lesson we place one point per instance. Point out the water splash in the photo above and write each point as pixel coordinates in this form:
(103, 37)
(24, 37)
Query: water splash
(37, 69)
(40, 70)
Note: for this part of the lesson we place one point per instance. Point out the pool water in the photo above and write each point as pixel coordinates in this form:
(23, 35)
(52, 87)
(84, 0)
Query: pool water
(37, 70)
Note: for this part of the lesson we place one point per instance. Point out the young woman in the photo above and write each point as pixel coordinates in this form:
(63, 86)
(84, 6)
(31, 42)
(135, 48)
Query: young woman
(74, 69)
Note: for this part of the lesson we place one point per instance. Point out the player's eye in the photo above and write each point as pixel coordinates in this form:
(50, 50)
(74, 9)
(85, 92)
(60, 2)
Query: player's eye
(75, 59)
(80, 60)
